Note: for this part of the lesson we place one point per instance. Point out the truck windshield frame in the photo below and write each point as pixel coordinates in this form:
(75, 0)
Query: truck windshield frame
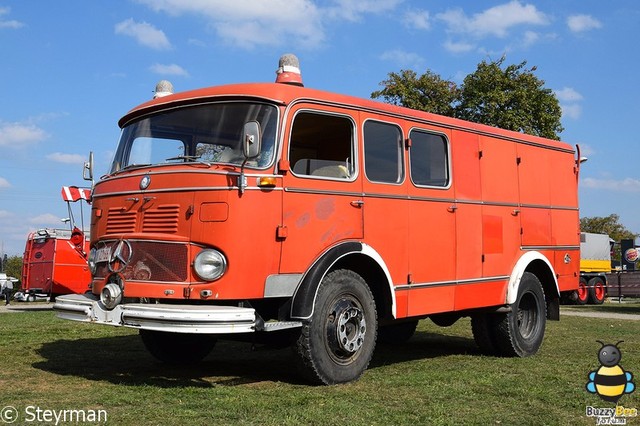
(209, 133)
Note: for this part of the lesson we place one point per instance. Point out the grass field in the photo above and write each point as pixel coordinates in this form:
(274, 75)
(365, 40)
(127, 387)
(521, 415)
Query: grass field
(438, 377)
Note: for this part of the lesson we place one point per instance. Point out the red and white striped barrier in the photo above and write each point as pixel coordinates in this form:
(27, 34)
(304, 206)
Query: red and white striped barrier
(73, 193)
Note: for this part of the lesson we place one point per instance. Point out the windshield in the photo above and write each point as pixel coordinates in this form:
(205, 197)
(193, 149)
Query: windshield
(210, 133)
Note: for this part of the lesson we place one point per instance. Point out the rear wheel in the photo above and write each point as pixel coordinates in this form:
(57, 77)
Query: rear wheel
(520, 332)
(582, 294)
(177, 348)
(597, 291)
(336, 343)
(483, 328)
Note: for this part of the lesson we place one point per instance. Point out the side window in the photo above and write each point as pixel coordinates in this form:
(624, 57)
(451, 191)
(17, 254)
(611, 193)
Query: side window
(383, 152)
(321, 145)
(429, 159)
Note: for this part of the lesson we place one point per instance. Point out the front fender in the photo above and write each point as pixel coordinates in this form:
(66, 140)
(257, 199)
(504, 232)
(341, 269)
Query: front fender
(303, 300)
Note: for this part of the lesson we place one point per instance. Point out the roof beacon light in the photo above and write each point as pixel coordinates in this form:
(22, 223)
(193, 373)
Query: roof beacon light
(288, 71)
(163, 88)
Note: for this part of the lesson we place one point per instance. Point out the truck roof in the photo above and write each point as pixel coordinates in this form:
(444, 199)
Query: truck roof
(286, 94)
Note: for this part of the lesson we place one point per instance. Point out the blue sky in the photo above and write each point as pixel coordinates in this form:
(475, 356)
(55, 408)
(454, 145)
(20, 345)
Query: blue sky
(69, 69)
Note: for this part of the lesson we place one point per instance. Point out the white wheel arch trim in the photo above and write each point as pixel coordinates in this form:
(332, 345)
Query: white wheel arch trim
(518, 271)
(370, 251)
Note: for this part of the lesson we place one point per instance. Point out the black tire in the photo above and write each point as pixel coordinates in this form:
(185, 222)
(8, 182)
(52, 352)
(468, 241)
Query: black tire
(336, 343)
(520, 332)
(483, 327)
(177, 348)
(582, 294)
(397, 333)
(597, 291)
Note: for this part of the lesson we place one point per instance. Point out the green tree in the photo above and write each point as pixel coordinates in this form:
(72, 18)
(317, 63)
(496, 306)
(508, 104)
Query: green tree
(429, 92)
(609, 225)
(512, 97)
(13, 267)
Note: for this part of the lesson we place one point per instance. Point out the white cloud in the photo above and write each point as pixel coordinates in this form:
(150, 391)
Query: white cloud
(417, 19)
(581, 23)
(459, 47)
(530, 38)
(250, 23)
(586, 150)
(624, 185)
(568, 94)
(4, 183)
(169, 69)
(573, 111)
(352, 10)
(144, 33)
(47, 219)
(60, 157)
(496, 21)
(402, 59)
(12, 24)
(18, 135)
(569, 102)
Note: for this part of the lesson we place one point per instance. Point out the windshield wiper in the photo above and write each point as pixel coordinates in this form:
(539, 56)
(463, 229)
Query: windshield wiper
(131, 166)
(184, 157)
(190, 159)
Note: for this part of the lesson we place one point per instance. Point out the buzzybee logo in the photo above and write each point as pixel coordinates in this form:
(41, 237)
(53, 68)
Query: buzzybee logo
(610, 381)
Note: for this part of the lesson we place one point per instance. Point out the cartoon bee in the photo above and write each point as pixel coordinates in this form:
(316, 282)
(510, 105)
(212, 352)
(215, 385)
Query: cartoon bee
(610, 381)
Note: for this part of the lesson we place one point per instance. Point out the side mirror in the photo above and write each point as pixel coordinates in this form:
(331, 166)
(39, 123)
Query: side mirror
(252, 139)
(87, 171)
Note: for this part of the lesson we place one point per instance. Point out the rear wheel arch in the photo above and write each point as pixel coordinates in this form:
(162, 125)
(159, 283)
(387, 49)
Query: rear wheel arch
(537, 264)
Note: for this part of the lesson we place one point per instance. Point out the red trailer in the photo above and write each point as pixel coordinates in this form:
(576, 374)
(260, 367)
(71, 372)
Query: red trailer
(55, 260)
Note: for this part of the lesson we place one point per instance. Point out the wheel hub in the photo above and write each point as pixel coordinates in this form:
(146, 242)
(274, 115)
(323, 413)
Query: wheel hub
(351, 327)
(347, 328)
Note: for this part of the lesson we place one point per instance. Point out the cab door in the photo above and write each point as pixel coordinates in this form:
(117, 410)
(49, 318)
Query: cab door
(322, 200)
(432, 224)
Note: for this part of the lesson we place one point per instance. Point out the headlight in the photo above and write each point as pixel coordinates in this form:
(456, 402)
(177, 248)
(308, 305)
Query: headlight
(91, 260)
(210, 265)
(111, 295)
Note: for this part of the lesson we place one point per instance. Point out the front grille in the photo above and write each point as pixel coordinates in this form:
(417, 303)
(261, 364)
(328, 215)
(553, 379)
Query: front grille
(120, 221)
(163, 219)
(152, 261)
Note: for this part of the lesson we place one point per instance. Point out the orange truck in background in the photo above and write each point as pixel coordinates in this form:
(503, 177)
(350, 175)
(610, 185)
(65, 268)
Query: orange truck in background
(272, 208)
(55, 260)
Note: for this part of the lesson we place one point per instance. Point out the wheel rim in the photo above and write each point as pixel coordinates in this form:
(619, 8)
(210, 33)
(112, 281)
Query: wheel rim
(527, 316)
(598, 290)
(345, 329)
(583, 292)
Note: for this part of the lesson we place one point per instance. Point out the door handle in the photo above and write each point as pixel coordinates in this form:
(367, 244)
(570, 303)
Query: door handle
(357, 203)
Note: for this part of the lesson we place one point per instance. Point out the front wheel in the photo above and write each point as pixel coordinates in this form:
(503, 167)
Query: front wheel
(336, 343)
(520, 332)
(177, 348)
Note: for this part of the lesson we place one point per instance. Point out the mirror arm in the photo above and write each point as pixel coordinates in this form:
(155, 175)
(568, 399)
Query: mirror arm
(242, 179)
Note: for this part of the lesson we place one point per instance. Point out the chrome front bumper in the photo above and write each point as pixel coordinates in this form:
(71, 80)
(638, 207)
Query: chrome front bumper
(203, 319)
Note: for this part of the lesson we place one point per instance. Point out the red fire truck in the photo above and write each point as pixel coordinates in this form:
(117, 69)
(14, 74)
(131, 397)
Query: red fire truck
(270, 207)
(55, 260)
